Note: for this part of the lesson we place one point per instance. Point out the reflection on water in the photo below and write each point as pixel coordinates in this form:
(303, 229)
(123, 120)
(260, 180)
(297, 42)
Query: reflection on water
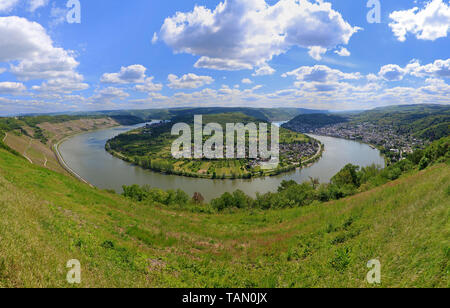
(86, 155)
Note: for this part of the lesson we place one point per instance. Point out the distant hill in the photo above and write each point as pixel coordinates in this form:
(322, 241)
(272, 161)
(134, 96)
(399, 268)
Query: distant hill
(308, 122)
(145, 115)
(127, 119)
(264, 114)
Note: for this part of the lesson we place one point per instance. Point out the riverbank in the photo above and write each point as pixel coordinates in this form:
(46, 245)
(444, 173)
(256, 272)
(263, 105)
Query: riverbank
(64, 164)
(86, 155)
(150, 148)
(375, 147)
(274, 172)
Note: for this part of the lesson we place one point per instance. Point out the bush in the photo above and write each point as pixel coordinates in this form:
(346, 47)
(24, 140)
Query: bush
(347, 176)
(236, 200)
(424, 162)
(341, 260)
(155, 195)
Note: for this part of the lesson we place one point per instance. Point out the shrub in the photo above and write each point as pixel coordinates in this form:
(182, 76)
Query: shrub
(424, 162)
(341, 260)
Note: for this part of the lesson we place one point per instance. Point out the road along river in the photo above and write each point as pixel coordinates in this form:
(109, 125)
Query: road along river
(85, 154)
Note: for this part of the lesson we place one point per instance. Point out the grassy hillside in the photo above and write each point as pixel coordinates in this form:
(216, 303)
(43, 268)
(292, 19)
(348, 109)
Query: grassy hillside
(47, 218)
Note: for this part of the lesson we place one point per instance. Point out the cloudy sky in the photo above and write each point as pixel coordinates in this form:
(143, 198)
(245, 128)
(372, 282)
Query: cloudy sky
(256, 53)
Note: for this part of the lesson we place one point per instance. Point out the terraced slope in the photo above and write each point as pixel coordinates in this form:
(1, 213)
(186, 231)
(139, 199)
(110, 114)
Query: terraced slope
(37, 152)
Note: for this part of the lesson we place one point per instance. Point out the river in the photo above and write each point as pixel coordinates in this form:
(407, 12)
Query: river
(86, 155)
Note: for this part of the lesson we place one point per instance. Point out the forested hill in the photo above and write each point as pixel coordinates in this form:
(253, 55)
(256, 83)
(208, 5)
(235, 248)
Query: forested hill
(264, 114)
(307, 122)
(430, 122)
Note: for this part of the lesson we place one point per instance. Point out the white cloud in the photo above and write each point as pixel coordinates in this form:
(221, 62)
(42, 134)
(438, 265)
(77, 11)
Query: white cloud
(343, 52)
(58, 15)
(321, 73)
(130, 74)
(243, 34)
(264, 71)
(2, 70)
(392, 72)
(32, 52)
(133, 74)
(155, 38)
(188, 81)
(61, 85)
(439, 69)
(316, 52)
(430, 23)
(149, 86)
(436, 87)
(7, 5)
(246, 81)
(222, 64)
(108, 95)
(12, 88)
(372, 78)
(323, 79)
(35, 4)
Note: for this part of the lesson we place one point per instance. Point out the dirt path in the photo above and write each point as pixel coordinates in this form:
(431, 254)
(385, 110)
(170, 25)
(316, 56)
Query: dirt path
(25, 153)
(4, 138)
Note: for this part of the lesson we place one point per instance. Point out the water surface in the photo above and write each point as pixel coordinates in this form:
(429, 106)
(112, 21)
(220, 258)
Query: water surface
(86, 155)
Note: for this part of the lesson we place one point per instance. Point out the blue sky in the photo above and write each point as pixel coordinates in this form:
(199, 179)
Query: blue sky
(157, 54)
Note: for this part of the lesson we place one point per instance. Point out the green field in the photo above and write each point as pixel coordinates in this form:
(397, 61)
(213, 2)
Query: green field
(47, 218)
(151, 149)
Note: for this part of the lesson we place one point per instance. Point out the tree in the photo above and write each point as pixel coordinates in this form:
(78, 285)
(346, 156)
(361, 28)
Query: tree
(286, 185)
(424, 162)
(347, 176)
(198, 198)
(315, 182)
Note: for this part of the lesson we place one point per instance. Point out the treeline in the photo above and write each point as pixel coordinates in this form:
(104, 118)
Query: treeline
(306, 122)
(154, 164)
(154, 195)
(347, 182)
(128, 119)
